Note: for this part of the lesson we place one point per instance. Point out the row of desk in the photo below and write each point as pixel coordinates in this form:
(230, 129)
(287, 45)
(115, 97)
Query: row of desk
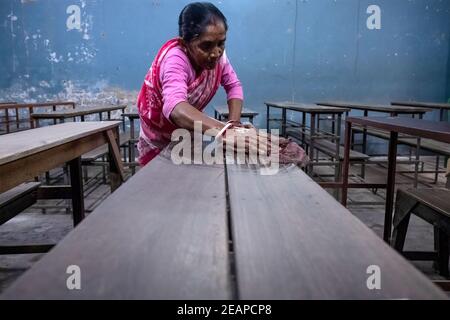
(438, 131)
(235, 235)
(395, 126)
(15, 120)
(59, 111)
(221, 232)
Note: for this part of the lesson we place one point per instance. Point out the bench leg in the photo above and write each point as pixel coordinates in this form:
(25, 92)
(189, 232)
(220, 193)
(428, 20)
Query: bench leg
(85, 173)
(115, 161)
(416, 164)
(442, 249)
(399, 234)
(311, 143)
(338, 175)
(437, 170)
(104, 170)
(76, 183)
(66, 179)
(47, 177)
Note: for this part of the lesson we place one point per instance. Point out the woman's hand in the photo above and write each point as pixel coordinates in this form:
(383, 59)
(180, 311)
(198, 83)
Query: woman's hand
(246, 140)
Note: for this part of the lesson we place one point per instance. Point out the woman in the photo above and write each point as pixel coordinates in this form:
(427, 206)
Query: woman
(183, 79)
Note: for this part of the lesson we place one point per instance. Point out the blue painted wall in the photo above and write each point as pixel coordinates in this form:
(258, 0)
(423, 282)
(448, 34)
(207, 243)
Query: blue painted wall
(448, 75)
(303, 50)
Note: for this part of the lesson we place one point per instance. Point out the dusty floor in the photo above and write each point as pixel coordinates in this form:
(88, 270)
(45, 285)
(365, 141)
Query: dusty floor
(48, 222)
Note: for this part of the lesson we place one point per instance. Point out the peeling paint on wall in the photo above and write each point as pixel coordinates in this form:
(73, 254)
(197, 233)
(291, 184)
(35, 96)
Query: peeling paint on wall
(100, 93)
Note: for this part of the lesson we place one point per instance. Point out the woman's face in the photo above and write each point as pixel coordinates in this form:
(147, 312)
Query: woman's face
(206, 50)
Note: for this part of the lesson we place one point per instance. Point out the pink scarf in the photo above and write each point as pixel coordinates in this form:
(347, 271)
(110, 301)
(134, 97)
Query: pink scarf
(156, 130)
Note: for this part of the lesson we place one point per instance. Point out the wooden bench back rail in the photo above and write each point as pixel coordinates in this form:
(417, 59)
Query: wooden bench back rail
(16, 120)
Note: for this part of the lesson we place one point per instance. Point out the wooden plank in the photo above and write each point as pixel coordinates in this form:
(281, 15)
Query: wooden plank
(435, 130)
(115, 154)
(435, 198)
(425, 144)
(27, 167)
(15, 193)
(224, 111)
(54, 192)
(328, 147)
(162, 235)
(428, 144)
(131, 115)
(432, 105)
(69, 113)
(20, 144)
(293, 240)
(375, 107)
(303, 107)
(37, 248)
(14, 201)
(38, 104)
(100, 151)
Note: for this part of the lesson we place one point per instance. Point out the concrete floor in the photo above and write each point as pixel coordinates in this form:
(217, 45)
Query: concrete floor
(34, 226)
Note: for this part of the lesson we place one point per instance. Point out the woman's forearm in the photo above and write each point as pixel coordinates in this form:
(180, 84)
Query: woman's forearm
(184, 115)
(235, 109)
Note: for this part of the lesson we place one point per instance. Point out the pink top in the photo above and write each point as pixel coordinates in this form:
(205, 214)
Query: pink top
(177, 73)
(171, 80)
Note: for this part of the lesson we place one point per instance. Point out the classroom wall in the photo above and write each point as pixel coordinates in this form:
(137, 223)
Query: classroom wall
(448, 75)
(304, 50)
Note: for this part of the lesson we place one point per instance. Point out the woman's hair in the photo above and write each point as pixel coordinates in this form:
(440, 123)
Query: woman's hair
(196, 16)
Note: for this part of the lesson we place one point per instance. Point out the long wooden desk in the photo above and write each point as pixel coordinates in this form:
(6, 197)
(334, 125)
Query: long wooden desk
(442, 107)
(314, 111)
(369, 107)
(377, 108)
(222, 113)
(26, 154)
(165, 235)
(78, 112)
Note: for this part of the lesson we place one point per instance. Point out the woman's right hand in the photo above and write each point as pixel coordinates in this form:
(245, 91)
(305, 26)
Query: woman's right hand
(246, 140)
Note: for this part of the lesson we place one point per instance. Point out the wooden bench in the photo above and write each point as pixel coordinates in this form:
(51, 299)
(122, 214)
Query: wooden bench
(433, 206)
(222, 113)
(28, 108)
(93, 155)
(430, 145)
(90, 158)
(163, 235)
(328, 147)
(292, 240)
(15, 200)
(221, 232)
(425, 144)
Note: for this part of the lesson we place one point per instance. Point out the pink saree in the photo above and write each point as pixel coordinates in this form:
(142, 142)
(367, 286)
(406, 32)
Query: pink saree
(156, 129)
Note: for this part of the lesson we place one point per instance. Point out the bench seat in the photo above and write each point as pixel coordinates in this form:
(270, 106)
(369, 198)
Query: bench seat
(93, 155)
(14, 201)
(328, 147)
(425, 144)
